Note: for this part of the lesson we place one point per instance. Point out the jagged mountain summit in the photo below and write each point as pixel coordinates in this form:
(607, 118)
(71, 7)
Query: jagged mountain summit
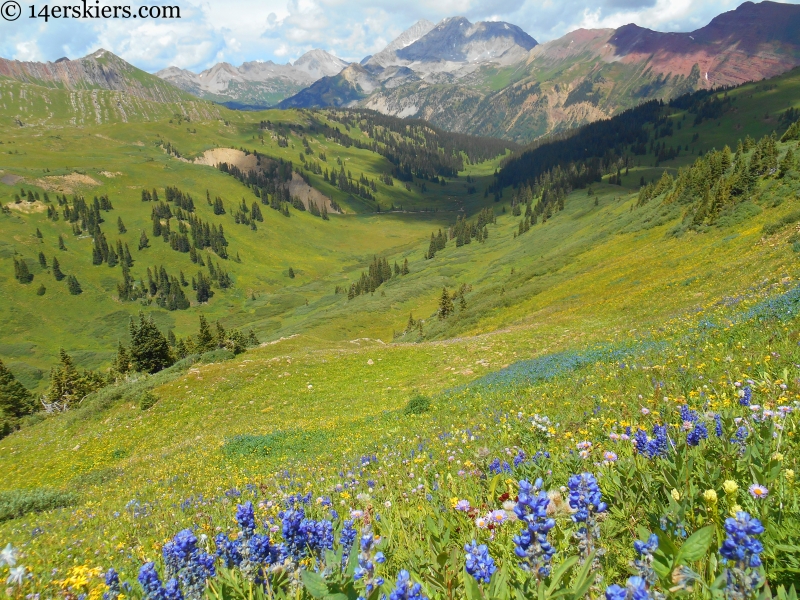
(388, 56)
(100, 70)
(493, 79)
(442, 53)
(255, 83)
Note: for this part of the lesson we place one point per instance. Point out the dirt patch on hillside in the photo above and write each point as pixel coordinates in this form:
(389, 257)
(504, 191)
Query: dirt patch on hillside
(300, 189)
(212, 158)
(27, 207)
(110, 174)
(11, 179)
(65, 183)
(248, 162)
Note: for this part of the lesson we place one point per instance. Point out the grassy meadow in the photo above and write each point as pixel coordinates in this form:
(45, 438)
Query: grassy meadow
(603, 322)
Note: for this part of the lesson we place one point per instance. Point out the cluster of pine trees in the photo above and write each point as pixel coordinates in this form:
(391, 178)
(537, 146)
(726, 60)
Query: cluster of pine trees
(102, 252)
(167, 291)
(379, 273)
(248, 216)
(16, 402)
(22, 272)
(447, 301)
(270, 183)
(81, 215)
(151, 351)
(345, 182)
(414, 147)
(463, 231)
(721, 179)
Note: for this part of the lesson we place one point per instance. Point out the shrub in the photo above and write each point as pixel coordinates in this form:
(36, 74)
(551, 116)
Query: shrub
(18, 503)
(417, 405)
(147, 400)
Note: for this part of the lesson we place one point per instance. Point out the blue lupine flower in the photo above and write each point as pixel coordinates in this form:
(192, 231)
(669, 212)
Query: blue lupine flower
(152, 587)
(644, 560)
(406, 589)
(499, 467)
(531, 545)
(586, 500)
(585, 497)
(718, 425)
(616, 592)
(654, 447)
(696, 435)
(228, 550)
(688, 415)
(635, 589)
(367, 559)
(246, 518)
(261, 551)
(746, 396)
(112, 581)
(479, 563)
(186, 562)
(346, 539)
(741, 545)
(742, 549)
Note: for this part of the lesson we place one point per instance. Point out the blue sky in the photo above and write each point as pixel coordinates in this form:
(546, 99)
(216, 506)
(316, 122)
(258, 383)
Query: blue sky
(240, 30)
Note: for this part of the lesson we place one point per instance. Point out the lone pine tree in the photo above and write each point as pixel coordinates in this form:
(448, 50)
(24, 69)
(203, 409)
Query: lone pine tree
(445, 304)
(149, 348)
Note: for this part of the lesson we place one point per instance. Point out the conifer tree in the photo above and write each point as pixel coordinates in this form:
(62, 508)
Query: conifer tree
(252, 340)
(41, 291)
(221, 336)
(112, 257)
(73, 286)
(787, 164)
(122, 361)
(445, 304)
(404, 270)
(21, 271)
(38, 233)
(42, 260)
(203, 287)
(57, 270)
(61, 245)
(291, 273)
(67, 386)
(149, 348)
(143, 241)
(205, 340)
(120, 225)
(15, 401)
(128, 258)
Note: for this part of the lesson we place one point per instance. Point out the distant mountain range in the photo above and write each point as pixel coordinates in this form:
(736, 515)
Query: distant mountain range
(99, 70)
(487, 78)
(493, 79)
(255, 84)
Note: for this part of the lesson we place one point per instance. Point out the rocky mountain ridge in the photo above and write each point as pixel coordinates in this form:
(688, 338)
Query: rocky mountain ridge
(584, 76)
(255, 83)
(101, 70)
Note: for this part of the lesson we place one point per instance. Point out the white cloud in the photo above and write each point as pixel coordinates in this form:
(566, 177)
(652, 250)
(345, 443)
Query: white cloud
(239, 30)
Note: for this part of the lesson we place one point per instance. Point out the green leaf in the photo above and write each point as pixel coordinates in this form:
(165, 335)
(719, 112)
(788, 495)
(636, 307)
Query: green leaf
(431, 525)
(314, 584)
(471, 588)
(493, 485)
(696, 547)
(558, 574)
(352, 558)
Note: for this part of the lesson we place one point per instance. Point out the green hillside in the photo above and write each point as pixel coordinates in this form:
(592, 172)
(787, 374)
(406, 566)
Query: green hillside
(668, 297)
